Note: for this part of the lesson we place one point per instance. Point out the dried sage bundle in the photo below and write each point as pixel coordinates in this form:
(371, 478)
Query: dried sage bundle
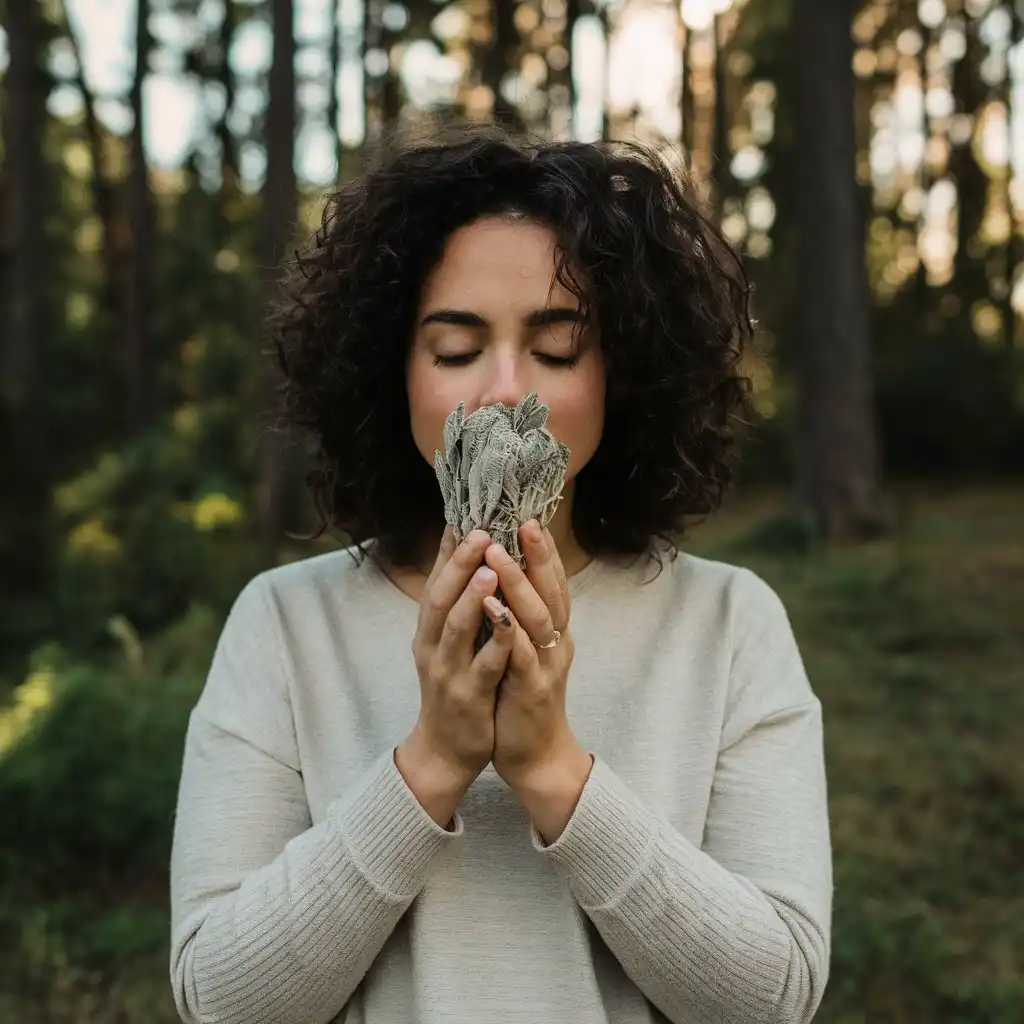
(501, 468)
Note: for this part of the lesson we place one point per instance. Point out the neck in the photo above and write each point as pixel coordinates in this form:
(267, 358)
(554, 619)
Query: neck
(574, 558)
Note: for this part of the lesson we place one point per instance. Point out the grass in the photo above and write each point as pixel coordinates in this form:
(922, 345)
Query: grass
(915, 644)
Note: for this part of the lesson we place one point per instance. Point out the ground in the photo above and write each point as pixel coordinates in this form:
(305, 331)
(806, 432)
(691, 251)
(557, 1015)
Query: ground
(915, 644)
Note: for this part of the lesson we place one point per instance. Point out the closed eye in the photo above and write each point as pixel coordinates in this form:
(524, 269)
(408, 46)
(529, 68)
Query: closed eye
(467, 357)
(454, 360)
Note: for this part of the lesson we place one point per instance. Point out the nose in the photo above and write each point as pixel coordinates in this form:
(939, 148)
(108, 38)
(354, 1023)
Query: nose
(503, 381)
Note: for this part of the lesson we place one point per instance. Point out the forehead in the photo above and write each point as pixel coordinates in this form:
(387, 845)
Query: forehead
(498, 260)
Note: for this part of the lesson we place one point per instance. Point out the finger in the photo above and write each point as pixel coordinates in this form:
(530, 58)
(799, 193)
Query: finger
(542, 572)
(452, 579)
(560, 576)
(522, 598)
(464, 620)
(491, 660)
(523, 657)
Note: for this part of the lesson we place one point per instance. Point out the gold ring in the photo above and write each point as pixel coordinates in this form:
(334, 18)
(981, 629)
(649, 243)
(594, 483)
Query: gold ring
(547, 647)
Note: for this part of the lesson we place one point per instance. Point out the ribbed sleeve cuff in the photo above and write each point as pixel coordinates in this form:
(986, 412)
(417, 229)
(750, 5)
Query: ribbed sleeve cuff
(607, 843)
(393, 840)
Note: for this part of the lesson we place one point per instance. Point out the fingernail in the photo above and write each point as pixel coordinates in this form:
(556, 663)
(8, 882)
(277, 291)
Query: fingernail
(487, 576)
(497, 611)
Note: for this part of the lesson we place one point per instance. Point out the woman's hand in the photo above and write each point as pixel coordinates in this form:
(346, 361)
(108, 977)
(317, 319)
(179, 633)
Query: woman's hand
(453, 739)
(531, 728)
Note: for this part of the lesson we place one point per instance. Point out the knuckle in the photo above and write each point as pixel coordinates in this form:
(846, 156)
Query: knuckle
(469, 550)
(539, 621)
(461, 692)
(451, 630)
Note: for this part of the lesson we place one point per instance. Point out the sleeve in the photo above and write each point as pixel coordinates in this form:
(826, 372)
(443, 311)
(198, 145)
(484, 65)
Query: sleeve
(272, 919)
(738, 931)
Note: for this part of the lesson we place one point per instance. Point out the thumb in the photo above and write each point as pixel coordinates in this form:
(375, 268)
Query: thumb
(493, 657)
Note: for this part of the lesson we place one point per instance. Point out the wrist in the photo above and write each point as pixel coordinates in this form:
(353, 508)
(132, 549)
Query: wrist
(569, 767)
(550, 792)
(436, 783)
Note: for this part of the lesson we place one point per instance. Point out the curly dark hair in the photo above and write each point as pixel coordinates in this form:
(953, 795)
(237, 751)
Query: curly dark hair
(669, 294)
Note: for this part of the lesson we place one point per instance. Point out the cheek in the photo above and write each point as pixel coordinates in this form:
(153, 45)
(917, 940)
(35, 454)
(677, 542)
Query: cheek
(577, 418)
(428, 409)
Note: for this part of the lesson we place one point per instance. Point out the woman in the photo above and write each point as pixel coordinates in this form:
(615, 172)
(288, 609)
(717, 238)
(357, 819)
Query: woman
(616, 810)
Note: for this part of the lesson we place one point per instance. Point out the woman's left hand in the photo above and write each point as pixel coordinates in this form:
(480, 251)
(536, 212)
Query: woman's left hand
(531, 728)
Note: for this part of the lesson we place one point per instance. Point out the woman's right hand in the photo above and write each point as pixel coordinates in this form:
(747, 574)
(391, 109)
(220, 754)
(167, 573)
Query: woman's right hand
(453, 739)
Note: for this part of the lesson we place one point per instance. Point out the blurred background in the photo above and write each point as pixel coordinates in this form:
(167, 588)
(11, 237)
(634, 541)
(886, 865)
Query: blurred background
(161, 157)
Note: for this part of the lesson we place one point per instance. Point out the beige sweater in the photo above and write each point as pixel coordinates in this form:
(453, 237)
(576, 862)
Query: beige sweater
(692, 884)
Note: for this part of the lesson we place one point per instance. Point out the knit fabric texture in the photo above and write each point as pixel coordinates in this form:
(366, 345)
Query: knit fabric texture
(692, 884)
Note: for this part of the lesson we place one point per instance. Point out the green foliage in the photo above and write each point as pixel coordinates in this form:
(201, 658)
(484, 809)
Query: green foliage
(127, 549)
(92, 781)
(949, 404)
(913, 644)
(150, 530)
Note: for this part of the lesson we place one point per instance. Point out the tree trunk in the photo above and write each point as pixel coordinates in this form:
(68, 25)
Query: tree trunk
(368, 40)
(606, 30)
(720, 145)
(921, 275)
(969, 93)
(280, 204)
(501, 56)
(333, 112)
(24, 254)
(1014, 241)
(391, 85)
(228, 156)
(140, 355)
(838, 476)
(24, 471)
(113, 241)
(687, 104)
(572, 16)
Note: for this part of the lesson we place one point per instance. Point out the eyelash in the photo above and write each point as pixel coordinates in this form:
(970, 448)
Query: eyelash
(561, 362)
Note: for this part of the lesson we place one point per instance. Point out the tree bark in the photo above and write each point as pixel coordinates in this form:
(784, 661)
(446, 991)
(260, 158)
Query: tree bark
(391, 85)
(838, 464)
(280, 205)
(572, 16)
(228, 155)
(24, 400)
(369, 38)
(921, 275)
(687, 103)
(969, 93)
(606, 123)
(501, 56)
(1014, 241)
(113, 240)
(335, 72)
(720, 145)
(24, 120)
(140, 355)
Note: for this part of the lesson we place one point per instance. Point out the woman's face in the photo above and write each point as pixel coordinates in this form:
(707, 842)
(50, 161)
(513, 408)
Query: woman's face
(494, 325)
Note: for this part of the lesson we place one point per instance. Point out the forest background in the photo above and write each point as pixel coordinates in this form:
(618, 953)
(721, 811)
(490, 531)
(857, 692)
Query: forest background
(160, 158)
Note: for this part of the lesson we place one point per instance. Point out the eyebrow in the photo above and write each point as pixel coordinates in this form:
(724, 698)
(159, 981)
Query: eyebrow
(538, 318)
